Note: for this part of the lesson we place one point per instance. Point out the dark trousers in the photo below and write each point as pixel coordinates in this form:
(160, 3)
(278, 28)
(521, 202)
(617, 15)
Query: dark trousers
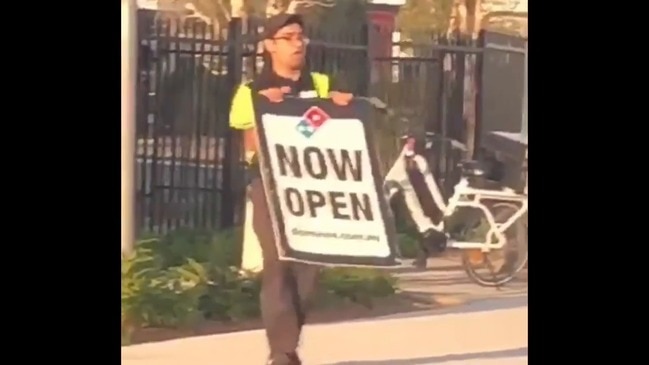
(287, 287)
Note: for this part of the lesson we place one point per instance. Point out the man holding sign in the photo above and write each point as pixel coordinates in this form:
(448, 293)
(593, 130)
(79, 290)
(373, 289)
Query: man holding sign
(286, 286)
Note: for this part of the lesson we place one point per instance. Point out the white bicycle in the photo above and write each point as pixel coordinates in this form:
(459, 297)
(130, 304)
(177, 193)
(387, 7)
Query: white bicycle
(488, 224)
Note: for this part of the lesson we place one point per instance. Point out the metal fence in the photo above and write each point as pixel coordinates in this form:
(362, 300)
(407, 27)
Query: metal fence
(183, 140)
(189, 174)
(430, 87)
(502, 83)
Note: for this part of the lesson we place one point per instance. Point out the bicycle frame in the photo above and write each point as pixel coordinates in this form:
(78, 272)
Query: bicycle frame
(466, 196)
(463, 196)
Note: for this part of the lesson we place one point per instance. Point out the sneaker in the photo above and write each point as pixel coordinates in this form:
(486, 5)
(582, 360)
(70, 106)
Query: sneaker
(285, 359)
(294, 359)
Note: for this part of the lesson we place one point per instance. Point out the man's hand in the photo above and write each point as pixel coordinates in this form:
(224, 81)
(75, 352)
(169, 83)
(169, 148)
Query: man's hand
(340, 98)
(276, 94)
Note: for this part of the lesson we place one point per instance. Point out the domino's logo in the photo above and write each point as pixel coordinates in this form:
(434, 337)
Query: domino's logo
(311, 121)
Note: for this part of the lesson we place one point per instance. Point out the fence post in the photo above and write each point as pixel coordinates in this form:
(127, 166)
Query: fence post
(365, 82)
(231, 148)
(128, 117)
(479, 90)
(524, 119)
(142, 106)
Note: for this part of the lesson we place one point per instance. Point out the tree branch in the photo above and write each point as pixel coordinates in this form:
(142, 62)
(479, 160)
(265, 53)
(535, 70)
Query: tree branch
(224, 10)
(294, 5)
(195, 13)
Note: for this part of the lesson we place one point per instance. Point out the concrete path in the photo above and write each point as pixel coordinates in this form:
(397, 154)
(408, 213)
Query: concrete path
(491, 329)
(445, 280)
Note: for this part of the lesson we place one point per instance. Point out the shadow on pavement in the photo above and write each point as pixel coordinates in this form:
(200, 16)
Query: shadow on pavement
(435, 279)
(408, 268)
(442, 359)
(349, 312)
(436, 282)
(483, 305)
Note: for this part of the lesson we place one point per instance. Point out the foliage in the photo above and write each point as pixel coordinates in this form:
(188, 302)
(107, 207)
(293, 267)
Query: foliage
(513, 24)
(205, 246)
(358, 285)
(417, 18)
(190, 276)
(334, 21)
(214, 9)
(222, 10)
(153, 295)
(408, 244)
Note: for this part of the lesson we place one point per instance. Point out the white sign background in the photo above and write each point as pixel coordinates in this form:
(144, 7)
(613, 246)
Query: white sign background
(338, 134)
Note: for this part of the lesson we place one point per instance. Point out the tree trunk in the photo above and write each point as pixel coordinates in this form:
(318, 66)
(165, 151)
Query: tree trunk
(238, 9)
(477, 18)
(466, 18)
(458, 17)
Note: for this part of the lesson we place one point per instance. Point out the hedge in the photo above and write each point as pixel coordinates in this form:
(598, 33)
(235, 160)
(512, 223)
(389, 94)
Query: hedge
(189, 276)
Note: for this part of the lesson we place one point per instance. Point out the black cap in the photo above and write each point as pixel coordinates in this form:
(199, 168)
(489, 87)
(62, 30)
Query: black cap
(279, 21)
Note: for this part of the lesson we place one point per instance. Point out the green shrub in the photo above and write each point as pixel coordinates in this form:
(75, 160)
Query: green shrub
(188, 276)
(357, 285)
(408, 244)
(230, 296)
(216, 248)
(154, 296)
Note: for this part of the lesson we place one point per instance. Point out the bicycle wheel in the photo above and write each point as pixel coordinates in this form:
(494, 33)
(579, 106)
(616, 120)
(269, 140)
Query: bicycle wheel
(498, 267)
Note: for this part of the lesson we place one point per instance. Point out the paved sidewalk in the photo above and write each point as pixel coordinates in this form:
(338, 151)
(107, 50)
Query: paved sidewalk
(485, 332)
(445, 280)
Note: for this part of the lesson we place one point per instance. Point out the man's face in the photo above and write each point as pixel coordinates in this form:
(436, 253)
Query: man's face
(288, 46)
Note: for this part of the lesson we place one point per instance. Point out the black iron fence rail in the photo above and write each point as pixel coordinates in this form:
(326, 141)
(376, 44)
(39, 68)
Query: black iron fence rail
(189, 170)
